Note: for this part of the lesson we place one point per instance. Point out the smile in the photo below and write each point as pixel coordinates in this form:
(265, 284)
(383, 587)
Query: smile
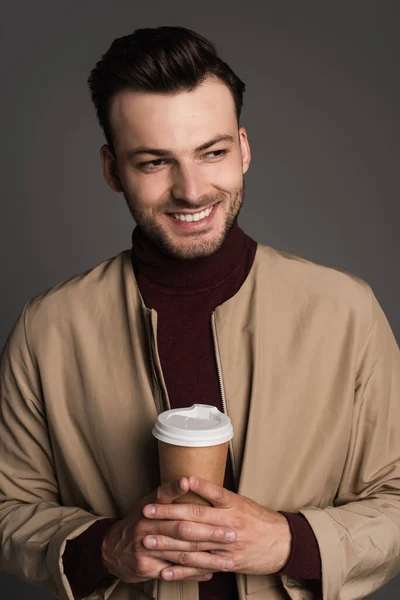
(194, 216)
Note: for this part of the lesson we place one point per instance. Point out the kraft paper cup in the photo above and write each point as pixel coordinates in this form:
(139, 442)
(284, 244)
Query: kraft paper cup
(193, 441)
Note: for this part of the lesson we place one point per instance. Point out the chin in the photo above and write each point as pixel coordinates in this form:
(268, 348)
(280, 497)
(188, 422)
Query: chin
(192, 249)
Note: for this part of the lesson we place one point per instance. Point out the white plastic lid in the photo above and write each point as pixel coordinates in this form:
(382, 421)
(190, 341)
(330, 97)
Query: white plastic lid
(197, 425)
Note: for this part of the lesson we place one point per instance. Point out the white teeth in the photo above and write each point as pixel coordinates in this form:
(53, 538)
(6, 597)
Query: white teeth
(196, 217)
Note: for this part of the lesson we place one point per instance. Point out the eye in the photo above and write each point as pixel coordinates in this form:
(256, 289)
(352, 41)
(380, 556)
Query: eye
(150, 165)
(216, 153)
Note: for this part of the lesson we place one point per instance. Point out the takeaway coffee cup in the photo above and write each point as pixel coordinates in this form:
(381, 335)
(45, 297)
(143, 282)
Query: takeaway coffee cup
(193, 441)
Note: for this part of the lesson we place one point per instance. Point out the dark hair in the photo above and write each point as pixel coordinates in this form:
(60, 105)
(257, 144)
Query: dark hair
(162, 59)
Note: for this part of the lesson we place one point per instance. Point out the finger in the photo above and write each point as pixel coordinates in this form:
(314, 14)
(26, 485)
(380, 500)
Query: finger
(200, 578)
(198, 513)
(162, 542)
(204, 561)
(187, 575)
(168, 492)
(189, 531)
(217, 495)
(174, 573)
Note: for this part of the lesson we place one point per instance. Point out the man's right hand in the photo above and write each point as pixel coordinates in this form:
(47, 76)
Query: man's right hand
(123, 552)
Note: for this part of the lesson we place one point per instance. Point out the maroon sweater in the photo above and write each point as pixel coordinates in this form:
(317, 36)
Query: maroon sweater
(184, 294)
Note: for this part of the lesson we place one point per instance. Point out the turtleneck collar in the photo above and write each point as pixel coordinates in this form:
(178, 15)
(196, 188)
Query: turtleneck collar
(188, 276)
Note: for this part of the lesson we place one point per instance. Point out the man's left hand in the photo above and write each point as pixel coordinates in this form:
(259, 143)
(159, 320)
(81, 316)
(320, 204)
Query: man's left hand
(261, 537)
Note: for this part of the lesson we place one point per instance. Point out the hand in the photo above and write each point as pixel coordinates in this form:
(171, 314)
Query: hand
(124, 554)
(262, 537)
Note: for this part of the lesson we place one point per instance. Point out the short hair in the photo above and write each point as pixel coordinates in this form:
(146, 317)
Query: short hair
(162, 59)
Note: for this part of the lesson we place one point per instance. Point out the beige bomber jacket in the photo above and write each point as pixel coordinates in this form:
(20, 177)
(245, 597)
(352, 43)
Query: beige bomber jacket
(310, 373)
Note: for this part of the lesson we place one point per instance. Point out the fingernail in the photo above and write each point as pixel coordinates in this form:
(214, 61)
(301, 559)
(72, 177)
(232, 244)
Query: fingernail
(194, 481)
(207, 577)
(167, 574)
(227, 564)
(230, 536)
(150, 510)
(151, 542)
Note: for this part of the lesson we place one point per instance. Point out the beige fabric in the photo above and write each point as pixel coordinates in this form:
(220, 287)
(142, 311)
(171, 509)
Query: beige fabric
(311, 372)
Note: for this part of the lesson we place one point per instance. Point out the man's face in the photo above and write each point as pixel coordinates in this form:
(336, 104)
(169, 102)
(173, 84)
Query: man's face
(180, 161)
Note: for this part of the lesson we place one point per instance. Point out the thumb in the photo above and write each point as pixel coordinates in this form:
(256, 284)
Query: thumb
(168, 492)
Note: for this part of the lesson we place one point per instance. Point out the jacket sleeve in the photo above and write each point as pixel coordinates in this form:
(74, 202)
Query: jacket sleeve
(359, 536)
(34, 526)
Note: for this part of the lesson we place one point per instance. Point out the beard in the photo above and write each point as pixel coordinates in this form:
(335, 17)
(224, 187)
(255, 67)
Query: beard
(198, 247)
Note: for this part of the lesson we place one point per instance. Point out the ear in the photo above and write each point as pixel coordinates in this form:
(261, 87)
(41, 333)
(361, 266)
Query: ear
(109, 167)
(245, 149)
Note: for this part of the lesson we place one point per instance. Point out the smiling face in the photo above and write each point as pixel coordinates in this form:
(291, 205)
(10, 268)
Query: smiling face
(180, 160)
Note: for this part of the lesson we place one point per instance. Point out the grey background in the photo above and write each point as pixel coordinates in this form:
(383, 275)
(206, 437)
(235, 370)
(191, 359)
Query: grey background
(321, 110)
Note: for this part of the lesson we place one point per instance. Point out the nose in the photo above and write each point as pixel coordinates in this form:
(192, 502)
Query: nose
(188, 183)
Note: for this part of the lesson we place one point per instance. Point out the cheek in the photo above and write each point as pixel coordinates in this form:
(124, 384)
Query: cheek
(229, 180)
(228, 175)
(145, 192)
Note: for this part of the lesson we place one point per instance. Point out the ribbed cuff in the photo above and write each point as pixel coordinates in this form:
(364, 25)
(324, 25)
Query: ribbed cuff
(82, 560)
(305, 559)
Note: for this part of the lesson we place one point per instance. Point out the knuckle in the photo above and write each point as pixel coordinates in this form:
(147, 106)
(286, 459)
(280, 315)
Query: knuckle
(184, 558)
(142, 564)
(139, 527)
(258, 509)
(176, 530)
(202, 572)
(182, 573)
(219, 494)
(237, 523)
(184, 530)
(218, 534)
(194, 546)
(222, 565)
(240, 545)
(137, 543)
(198, 510)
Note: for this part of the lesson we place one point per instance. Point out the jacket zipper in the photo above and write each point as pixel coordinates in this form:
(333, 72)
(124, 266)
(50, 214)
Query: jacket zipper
(157, 383)
(158, 390)
(222, 389)
(159, 405)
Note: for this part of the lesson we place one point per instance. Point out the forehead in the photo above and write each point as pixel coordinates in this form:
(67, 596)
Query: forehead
(180, 120)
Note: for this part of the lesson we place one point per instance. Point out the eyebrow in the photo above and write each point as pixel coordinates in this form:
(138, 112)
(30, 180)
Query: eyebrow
(164, 152)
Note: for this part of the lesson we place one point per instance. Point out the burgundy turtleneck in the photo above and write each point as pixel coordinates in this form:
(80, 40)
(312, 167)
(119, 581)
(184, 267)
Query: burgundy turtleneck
(184, 293)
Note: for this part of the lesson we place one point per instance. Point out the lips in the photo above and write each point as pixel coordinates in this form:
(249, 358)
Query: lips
(194, 221)
(193, 217)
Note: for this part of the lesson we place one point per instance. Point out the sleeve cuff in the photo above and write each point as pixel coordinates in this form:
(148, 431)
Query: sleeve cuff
(304, 559)
(82, 559)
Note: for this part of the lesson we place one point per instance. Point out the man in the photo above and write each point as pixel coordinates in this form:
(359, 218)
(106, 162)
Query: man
(300, 356)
